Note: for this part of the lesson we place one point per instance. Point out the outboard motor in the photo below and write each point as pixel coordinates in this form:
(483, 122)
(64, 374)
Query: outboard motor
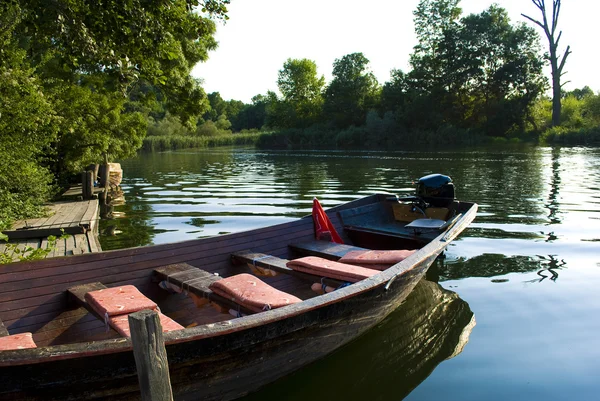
(436, 189)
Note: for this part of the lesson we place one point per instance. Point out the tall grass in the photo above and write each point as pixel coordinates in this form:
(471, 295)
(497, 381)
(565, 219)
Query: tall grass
(174, 142)
(571, 136)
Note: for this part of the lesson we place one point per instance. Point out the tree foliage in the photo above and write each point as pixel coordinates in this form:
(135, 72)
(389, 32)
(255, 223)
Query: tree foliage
(79, 78)
(301, 102)
(28, 125)
(353, 91)
(478, 72)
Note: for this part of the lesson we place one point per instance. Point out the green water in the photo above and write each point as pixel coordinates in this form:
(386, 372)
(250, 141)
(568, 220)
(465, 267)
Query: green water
(528, 268)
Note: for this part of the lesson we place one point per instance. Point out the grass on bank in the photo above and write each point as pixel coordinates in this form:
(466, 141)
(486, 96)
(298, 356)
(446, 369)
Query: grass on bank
(174, 142)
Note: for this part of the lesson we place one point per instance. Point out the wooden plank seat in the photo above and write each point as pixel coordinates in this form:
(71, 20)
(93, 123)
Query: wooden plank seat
(243, 293)
(196, 282)
(323, 249)
(279, 265)
(113, 305)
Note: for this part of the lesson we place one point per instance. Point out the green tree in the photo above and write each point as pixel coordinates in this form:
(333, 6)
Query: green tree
(234, 107)
(92, 124)
(478, 72)
(353, 91)
(497, 72)
(301, 87)
(28, 126)
(435, 21)
(94, 55)
(582, 93)
(394, 92)
(218, 106)
(252, 116)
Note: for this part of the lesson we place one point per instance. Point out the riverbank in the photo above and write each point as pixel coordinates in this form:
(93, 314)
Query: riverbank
(371, 138)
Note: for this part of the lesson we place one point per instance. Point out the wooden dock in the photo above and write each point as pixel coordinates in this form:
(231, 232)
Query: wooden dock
(77, 219)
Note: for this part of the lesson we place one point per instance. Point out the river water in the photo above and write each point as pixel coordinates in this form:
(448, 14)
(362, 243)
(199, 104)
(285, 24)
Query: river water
(511, 313)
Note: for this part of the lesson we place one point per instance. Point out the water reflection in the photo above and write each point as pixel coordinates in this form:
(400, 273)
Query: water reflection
(553, 195)
(492, 265)
(388, 362)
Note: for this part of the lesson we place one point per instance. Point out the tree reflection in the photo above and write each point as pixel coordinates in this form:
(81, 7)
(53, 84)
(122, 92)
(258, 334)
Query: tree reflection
(126, 224)
(491, 265)
(553, 196)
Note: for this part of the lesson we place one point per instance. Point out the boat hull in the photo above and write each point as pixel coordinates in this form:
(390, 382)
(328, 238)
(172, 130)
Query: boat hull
(216, 368)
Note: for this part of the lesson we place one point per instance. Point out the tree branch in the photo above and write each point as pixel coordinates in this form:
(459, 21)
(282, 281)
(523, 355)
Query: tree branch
(533, 20)
(555, 14)
(564, 59)
(558, 39)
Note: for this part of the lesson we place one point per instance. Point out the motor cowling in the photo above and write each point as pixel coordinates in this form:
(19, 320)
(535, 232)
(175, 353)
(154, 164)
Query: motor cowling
(436, 189)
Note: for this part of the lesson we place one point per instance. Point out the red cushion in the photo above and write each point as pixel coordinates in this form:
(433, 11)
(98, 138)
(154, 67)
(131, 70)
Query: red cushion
(249, 291)
(17, 341)
(376, 257)
(327, 268)
(118, 301)
(121, 324)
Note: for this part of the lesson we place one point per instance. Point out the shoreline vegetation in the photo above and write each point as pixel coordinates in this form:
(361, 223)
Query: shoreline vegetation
(67, 102)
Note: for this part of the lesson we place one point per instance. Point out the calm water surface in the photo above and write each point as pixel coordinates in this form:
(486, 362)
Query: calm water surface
(527, 271)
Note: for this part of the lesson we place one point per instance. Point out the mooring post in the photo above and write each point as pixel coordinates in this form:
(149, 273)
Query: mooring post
(150, 356)
(87, 185)
(94, 168)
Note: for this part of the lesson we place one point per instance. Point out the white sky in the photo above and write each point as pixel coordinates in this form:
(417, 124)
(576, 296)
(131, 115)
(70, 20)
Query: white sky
(262, 34)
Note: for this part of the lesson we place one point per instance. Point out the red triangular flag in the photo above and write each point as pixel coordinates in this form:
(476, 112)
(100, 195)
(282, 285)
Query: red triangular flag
(324, 230)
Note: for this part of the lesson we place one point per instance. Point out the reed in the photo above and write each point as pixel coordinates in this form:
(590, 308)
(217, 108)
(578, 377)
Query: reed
(571, 136)
(175, 142)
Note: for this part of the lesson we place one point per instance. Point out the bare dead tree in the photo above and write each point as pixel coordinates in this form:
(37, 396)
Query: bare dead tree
(556, 63)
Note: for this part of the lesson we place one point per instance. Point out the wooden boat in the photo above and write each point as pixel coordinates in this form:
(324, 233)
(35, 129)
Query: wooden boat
(217, 356)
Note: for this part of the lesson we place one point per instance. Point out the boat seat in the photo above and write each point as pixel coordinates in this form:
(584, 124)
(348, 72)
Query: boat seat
(17, 341)
(279, 265)
(196, 282)
(376, 259)
(329, 268)
(323, 249)
(243, 292)
(252, 293)
(113, 305)
(354, 255)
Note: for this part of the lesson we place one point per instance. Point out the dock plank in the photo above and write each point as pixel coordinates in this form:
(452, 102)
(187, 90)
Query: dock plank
(90, 215)
(72, 217)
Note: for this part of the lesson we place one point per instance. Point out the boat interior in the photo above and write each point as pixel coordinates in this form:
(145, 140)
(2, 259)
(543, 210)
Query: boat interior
(76, 299)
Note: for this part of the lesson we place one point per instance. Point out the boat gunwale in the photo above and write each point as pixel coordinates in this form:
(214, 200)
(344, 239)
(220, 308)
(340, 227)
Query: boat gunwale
(110, 346)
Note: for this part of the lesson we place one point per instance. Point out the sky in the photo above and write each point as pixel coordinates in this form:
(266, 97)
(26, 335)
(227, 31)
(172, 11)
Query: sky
(262, 34)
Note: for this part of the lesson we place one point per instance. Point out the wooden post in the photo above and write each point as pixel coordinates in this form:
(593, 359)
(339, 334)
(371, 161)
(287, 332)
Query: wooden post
(87, 185)
(150, 356)
(94, 168)
(104, 173)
